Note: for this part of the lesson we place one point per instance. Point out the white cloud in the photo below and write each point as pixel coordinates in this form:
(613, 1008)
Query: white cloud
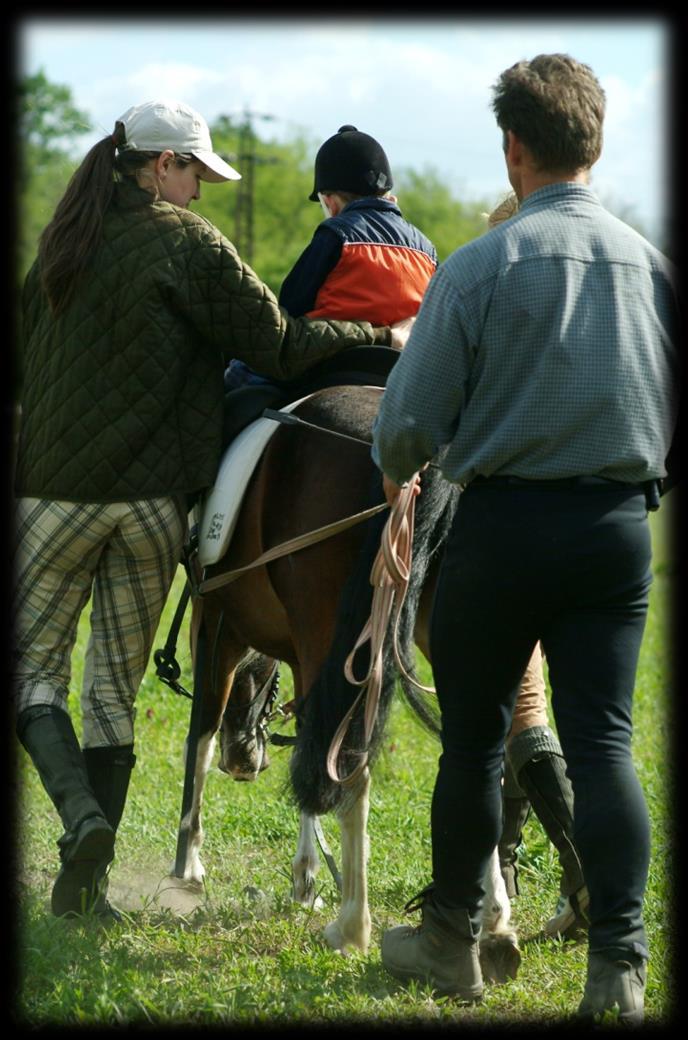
(421, 86)
(172, 79)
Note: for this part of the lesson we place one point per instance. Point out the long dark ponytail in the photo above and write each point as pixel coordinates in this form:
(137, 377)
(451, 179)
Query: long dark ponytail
(70, 239)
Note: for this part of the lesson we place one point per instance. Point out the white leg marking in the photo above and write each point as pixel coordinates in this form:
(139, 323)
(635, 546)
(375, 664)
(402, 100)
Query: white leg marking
(352, 927)
(193, 868)
(496, 906)
(305, 865)
(499, 952)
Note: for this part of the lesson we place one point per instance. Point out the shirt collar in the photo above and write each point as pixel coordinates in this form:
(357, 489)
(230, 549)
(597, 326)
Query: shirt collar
(561, 191)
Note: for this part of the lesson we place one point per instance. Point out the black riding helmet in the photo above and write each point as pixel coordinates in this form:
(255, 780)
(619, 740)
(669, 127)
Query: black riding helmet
(351, 161)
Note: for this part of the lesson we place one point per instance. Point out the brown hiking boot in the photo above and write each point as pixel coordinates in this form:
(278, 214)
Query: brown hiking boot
(442, 950)
(614, 986)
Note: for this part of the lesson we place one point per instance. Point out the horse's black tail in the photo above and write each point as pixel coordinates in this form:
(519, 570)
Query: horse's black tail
(332, 695)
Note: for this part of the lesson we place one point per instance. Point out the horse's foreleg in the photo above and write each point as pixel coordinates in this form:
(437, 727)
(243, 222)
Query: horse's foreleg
(499, 953)
(352, 927)
(213, 701)
(305, 865)
(193, 869)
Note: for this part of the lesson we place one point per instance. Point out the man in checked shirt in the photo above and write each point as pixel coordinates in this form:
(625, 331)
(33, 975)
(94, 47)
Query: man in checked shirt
(542, 373)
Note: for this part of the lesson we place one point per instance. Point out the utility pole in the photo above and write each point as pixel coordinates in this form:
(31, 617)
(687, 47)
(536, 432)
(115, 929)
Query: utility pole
(247, 162)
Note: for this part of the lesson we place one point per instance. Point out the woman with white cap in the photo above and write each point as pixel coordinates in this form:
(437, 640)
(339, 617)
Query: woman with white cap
(130, 312)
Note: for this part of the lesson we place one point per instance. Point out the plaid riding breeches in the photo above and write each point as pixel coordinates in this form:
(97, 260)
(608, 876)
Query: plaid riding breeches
(123, 555)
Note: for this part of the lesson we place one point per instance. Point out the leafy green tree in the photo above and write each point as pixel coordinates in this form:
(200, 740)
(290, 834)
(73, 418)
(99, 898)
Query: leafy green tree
(283, 218)
(48, 121)
(429, 204)
(48, 124)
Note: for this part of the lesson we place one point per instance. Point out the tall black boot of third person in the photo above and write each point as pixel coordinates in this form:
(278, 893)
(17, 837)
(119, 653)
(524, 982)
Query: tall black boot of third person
(87, 846)
(515, 812)
(537, 759)
(109, 771)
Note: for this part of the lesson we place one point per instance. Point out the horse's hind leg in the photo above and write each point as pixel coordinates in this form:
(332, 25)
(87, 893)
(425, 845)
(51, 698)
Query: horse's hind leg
(499, 953)
(352, 927)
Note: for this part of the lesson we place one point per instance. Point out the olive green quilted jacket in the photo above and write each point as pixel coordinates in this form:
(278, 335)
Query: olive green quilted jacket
(123, 393)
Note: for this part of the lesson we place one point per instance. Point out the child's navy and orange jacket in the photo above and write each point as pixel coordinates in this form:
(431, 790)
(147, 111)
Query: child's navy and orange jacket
(366, 264)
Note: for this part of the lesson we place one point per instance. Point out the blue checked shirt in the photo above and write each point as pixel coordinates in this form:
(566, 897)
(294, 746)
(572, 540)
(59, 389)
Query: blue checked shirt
(544, 349)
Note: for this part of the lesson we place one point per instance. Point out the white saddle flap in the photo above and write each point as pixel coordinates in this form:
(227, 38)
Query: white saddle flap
(219, 508)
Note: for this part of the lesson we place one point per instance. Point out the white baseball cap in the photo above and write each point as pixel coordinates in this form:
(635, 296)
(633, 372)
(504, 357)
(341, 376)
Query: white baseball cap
(157, 125)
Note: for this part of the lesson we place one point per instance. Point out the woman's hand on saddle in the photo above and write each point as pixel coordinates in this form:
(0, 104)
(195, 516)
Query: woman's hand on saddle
(392, 490)
(401, 331)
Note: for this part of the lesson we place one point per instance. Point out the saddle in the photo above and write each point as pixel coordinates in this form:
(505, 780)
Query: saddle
(246, 435)
(356, 366)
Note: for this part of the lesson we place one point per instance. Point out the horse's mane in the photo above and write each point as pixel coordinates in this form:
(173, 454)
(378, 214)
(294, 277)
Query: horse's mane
(331, 694)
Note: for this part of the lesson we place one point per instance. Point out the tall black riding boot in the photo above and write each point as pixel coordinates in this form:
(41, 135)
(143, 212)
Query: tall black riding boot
(515, 812)
(537, 760)
(109, 770)
(87, 846)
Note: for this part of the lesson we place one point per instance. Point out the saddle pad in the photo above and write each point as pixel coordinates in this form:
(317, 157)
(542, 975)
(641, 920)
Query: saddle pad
(219, 508)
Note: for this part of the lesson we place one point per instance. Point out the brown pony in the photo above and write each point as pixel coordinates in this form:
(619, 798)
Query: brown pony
(307, 609)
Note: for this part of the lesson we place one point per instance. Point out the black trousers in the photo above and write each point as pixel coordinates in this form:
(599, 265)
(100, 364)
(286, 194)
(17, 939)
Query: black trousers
(569, 567)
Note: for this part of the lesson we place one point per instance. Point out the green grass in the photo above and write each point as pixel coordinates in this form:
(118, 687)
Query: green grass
(223, 958)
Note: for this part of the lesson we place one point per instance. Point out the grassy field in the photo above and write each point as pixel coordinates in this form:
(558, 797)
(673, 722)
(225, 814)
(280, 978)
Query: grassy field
(239, 952)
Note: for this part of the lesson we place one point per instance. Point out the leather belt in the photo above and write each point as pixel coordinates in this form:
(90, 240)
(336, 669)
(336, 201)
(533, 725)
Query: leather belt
(562, 482)
(652, 489)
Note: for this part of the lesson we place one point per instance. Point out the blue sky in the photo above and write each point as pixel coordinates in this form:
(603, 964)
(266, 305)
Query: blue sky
(421, 86)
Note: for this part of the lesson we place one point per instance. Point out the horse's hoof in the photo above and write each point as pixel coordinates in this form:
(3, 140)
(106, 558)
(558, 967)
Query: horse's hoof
(306, 894)
(500, 957)
(334, 937)
(192, 876)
